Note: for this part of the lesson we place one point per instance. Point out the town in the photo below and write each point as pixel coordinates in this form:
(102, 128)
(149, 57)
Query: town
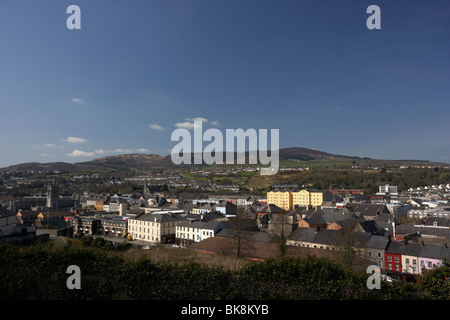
(403, 232)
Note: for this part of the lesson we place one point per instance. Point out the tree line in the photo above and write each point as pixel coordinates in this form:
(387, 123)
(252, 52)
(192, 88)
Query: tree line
(106, 276)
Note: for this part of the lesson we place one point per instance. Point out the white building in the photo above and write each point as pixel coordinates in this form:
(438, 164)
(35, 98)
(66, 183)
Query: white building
(189, 232)
(387, 190)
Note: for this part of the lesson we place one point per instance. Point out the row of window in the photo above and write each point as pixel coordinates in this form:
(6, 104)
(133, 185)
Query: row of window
(151, 223)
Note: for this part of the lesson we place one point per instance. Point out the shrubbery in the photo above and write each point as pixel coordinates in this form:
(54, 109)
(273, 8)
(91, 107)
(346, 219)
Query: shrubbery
(39, 272)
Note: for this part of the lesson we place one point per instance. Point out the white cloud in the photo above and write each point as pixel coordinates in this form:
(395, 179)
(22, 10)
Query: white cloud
(155, 126)
(75, 140)
(215, 123)
(45, 155)
(79, 153)
(189, 123)
(49, 145)
(197, 119)
(77, 100)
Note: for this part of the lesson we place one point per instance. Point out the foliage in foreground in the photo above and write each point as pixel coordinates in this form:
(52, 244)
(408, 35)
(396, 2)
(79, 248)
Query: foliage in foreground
(39, 272)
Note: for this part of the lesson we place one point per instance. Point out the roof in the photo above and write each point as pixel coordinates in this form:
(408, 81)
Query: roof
(404, 248)
(5, 212)
(160, 218)
(368, 209)
(269, 208)
(258, 236)
(209, 225)
(302, 234)
(377, 242)
(434, 252)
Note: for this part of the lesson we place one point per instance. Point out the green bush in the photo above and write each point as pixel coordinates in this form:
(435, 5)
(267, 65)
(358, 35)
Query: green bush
(40, 272)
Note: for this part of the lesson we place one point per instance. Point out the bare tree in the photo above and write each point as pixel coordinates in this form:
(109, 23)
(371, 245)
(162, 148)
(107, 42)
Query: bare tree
(348, 243)
(240, 227)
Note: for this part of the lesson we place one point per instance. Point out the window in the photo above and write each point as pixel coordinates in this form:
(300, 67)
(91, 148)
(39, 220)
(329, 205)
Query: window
(396, 259)
(407, 260)
(379, 254)
(389, 258)
(414, 261)
(397, 267)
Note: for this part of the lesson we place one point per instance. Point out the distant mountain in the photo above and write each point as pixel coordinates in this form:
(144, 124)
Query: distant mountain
(150, 161)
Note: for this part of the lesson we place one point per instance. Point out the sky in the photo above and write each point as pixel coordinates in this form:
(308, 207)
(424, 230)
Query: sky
(137, 70)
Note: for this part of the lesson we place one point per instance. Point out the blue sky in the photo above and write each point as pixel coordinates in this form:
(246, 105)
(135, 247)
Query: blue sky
(139, 69)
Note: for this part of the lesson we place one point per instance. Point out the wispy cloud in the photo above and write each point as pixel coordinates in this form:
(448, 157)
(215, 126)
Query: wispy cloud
(75, 140)
(155, 126)
(77, 100)
(189, 123)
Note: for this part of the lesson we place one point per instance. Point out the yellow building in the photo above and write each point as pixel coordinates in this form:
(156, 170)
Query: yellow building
(303, 198)
(282, 199)
(316, 198)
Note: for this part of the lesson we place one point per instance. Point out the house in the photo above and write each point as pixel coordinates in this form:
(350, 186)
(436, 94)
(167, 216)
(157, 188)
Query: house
(283, 221)
(416, 202)
(314, 220)
(11, 232)
(410, 259)
(375, 250)
(313, 238)
(368, 211)
(431, 257)
(188, 232)
(7, 222)
(202, 208)
(225, 207)
(393, 260)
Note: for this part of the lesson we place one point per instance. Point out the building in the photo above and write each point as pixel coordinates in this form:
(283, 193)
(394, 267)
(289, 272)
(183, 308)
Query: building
(7, 222)
(387, 190)
(282, 199)
(227, 208)
(393, 260)
(188, 232)
(376, 247)
(302, 198)
(156, 228)
(368, 210)
(432, 257)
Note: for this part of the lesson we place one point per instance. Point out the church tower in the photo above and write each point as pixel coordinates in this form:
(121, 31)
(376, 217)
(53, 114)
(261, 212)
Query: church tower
(52, 196)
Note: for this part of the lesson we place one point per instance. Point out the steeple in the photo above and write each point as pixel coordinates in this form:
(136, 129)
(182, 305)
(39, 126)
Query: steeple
(52, 195)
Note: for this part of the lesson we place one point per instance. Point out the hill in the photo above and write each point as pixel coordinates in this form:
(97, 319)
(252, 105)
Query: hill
(296, 156)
